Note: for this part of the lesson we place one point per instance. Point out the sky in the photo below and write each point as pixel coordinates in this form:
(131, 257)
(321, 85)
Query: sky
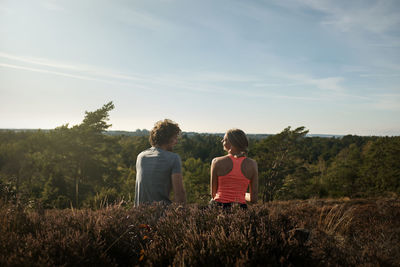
(210, 65)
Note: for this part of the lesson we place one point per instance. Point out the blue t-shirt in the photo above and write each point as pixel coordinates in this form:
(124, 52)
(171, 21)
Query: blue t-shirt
(154, 168)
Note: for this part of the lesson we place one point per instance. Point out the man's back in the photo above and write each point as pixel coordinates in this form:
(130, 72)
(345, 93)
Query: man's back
(154, 168)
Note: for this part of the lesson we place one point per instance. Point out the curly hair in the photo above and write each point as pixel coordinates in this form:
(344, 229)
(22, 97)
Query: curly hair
(238, 139)
(163, 131)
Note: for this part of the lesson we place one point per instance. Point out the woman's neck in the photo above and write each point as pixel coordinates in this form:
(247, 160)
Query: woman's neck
(237, 154)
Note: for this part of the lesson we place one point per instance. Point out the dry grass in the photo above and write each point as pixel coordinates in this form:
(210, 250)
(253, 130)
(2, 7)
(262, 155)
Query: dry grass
(293, 233)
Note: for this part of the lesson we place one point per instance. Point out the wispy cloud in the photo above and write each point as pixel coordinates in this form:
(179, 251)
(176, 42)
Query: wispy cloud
(375, 17)
(220, 77)
(355, 68)
(389, 44)
(199, 82)
(53, 72)
(369, 28)
(380, 75)
(331, 83)
(42, 62)
(52, 5)
(389, 102)
(5, 10)
(75, 71)
(76, 68)
(202, 82)
(270, 95)
(326, 84)
(276, 84)
(311, 88)
(145, 20)
(380, 69)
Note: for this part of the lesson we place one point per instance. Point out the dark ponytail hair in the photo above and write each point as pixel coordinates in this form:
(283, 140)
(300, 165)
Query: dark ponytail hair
(238, 139)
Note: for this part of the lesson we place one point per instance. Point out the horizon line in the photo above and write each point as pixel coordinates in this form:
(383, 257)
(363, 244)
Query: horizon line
(212, 133)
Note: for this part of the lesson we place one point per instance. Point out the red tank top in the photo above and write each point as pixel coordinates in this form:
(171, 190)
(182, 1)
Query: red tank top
(232, 187)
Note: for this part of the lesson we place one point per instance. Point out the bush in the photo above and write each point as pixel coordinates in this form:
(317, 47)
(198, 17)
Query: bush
(311, 232)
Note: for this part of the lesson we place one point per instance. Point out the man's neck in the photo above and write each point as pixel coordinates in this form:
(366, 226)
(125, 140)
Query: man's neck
(164, 147)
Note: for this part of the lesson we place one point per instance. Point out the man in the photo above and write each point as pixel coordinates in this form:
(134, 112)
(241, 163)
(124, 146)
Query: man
(158, 169)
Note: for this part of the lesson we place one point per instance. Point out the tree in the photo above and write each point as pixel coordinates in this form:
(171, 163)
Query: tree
(89, 146)
(381, 167)
(55, 193)
(199, 146)
(276, 156)
(196, 178)
(296, 185)
(82, 153)
(342, 177)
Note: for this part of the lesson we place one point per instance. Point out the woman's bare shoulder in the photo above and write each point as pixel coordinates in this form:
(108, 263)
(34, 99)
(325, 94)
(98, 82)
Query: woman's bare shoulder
(251, 162)
(220, 159)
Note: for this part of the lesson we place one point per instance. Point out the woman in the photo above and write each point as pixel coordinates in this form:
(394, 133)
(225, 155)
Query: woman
(233, 174)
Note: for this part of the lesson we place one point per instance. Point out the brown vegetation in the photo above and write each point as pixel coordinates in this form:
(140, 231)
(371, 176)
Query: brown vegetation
(363, 232)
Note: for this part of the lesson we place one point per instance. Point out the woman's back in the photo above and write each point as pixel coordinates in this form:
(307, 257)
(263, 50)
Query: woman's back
(234, 175)
(231, 175)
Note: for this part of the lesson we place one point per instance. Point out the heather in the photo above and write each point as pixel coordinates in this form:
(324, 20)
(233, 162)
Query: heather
(315, 232)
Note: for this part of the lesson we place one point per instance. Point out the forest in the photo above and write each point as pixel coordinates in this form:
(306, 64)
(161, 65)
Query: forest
(85, 166)
(66, 200)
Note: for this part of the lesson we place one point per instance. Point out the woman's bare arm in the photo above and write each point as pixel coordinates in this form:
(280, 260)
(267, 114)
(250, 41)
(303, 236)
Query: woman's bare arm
(213, 179)
(253, 195)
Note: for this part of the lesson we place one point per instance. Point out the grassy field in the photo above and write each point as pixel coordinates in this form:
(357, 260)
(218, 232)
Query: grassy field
(359, 232)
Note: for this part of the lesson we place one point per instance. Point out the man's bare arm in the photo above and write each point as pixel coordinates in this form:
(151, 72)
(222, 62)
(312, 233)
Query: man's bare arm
(177, 187)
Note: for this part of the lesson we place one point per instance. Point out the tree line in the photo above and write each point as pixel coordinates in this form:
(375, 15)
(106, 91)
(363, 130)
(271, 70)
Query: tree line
(81, 166)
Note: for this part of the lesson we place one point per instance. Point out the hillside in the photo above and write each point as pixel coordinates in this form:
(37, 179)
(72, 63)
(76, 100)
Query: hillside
(360, 232)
